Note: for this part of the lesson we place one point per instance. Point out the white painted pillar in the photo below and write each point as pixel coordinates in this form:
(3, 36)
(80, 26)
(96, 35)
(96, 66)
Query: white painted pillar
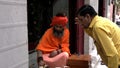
(13, 34)
(88, 42)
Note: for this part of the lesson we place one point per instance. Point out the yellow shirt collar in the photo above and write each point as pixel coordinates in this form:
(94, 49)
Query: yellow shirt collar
(93, 21)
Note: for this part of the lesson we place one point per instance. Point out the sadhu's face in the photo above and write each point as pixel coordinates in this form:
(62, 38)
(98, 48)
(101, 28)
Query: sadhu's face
(58, 30)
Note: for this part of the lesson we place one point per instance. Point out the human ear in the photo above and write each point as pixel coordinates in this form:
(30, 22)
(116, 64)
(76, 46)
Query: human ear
(87, 15)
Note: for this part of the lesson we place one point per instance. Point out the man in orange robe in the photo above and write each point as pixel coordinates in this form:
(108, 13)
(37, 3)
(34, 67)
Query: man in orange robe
(54, 44)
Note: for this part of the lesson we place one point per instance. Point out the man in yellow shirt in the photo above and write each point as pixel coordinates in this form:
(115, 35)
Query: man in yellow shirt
(105, 33)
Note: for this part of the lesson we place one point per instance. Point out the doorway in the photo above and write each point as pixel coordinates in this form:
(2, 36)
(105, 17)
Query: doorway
(39, 18)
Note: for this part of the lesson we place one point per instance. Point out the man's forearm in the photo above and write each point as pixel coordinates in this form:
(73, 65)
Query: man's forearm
(40, 58)
(39, 53)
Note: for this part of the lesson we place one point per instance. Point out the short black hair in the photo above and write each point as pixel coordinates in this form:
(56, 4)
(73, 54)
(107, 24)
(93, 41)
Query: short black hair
(86, 9)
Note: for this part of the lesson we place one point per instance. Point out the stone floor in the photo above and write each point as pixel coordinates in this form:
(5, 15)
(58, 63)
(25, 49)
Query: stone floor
(32, 60)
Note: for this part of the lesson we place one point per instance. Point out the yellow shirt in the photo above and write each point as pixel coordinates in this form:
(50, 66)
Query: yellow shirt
(106, 35)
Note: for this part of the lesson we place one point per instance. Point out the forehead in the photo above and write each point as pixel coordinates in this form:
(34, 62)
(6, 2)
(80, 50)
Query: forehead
(58, 26)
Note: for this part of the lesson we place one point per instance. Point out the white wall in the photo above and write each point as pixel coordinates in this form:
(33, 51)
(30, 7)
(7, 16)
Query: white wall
(13, 34)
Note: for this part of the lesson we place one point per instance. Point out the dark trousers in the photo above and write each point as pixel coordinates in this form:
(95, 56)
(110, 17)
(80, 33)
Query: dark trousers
(118, 66)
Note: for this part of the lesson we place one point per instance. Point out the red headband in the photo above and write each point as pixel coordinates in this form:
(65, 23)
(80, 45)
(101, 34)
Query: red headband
(59, 20)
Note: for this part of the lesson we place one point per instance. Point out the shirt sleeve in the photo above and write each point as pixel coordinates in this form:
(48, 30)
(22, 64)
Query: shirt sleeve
(106, 45)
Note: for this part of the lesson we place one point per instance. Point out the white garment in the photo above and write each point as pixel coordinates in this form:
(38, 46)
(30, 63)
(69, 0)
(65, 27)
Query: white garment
(117, 18)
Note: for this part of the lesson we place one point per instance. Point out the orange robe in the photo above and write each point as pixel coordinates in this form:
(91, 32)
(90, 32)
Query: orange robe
(49, 42)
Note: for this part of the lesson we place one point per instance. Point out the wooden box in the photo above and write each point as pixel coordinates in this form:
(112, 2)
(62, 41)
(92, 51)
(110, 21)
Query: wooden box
(81, 61)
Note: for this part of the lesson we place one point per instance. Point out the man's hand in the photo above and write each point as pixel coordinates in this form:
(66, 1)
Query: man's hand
(40, 61)
(77, 20)
(54, 53)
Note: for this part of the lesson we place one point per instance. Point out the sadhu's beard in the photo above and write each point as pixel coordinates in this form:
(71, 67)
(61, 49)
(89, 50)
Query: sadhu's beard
(58, 33)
